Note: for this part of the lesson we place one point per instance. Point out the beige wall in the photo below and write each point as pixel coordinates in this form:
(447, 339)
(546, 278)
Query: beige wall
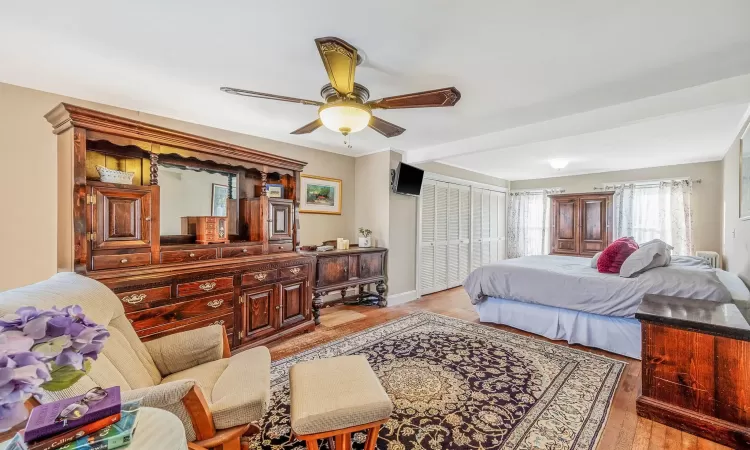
(28, 174)
(736, 232)
(372, 188)
(402, 253)
(706, 195)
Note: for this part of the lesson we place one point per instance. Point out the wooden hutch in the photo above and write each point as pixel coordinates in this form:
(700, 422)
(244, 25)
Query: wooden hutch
(581, 224)
(129, 236)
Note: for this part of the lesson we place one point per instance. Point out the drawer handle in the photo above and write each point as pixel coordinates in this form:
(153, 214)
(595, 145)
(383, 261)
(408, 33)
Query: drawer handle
(215, 303)
(208, 286)
(218, 322)
(244, 250)
(130, 320)
(278, 307)
(260, 276)
(295, 270)
(123, 260)
(134, 299)
(192, 255)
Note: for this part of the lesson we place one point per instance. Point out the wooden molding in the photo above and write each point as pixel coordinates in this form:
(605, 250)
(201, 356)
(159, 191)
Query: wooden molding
(65, 116)
(226, 350)
(200, 414)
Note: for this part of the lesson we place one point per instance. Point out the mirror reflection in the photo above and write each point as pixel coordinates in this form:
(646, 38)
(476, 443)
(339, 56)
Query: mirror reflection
(189, 192)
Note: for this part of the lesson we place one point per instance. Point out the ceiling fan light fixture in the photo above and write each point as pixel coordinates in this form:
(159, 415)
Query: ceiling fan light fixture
(345, 117)
(558, 164)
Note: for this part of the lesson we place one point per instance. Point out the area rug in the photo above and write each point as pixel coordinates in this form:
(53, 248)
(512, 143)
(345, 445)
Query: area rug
(463, 385)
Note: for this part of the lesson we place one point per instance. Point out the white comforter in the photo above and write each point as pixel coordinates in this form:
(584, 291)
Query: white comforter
(570, 282)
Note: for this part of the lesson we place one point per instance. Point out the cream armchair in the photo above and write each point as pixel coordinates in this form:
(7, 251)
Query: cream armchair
(217, 397)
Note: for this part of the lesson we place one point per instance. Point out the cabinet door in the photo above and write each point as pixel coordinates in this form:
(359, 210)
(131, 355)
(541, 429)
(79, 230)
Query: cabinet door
(565, 225)
(370, 265)
(332, 270)
(121, 217)
(259, 312)
(281, 218)
(593, 224)
(292, 302)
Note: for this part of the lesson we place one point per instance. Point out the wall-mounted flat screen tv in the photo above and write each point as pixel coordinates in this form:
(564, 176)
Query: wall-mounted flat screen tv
(407, 180)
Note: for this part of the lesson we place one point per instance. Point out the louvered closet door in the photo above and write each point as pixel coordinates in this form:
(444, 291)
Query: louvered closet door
(464, 232)
(486, 232)
(454, 222)
(427, 250)
(476, 228)
(441, 236)
(502, 205)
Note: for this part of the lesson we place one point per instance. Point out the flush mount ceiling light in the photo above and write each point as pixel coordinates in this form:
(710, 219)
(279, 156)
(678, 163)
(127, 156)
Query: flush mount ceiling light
(558, 164)
(346, 106)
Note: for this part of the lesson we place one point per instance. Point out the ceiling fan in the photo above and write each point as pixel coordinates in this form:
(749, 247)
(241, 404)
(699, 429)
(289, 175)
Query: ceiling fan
(347, 107)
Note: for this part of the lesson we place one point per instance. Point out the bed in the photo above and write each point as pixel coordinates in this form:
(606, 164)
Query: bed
(563, 297)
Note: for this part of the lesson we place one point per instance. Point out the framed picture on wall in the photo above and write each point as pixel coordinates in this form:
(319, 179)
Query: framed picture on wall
(320, 195)
(219, 194)
(745, 174)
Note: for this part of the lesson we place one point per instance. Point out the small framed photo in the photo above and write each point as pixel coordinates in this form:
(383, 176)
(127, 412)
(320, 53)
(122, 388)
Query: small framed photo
(275, 190)
(219, 194)
(320, 195)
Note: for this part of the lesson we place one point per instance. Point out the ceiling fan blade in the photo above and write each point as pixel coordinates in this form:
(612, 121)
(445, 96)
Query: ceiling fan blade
(385, 128)
(309, 128)
(427, 99)
(263, 95)
(340, 59)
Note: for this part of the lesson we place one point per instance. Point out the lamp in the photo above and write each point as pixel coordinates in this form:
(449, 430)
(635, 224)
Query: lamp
(345, 116)
(558, 164)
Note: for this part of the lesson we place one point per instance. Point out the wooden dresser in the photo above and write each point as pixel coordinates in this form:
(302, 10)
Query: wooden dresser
(134, 238)
(581, 224)
(696, 367)
(337, 270)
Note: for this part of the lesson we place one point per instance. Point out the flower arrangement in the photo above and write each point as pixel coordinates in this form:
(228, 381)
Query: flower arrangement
(365, 232)
(365, 241)
(43, 349)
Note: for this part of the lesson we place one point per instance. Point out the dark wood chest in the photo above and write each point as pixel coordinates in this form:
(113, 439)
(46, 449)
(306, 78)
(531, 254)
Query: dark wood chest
(696, 367)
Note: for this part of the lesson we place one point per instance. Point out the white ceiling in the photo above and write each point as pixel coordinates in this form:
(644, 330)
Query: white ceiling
(533, 75)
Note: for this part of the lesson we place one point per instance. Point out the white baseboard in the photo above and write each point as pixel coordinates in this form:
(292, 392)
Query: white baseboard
(404, 297)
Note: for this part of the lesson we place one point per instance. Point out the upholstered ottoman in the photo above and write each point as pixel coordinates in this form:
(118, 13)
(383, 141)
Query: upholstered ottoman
(335, 397)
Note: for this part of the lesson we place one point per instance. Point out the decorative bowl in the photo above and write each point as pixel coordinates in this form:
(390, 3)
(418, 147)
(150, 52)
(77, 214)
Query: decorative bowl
(115, 176)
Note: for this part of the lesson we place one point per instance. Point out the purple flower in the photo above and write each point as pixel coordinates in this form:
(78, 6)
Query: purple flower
(12, 414)
(23, 316)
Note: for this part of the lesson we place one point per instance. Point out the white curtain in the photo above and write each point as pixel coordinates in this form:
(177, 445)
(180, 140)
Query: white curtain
(528, 221)
(659, 210)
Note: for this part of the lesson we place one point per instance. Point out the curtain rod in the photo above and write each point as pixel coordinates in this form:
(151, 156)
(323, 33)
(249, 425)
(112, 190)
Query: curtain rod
(644, 182)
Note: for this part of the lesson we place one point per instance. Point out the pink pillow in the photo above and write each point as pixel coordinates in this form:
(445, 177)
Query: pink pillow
(615, 254)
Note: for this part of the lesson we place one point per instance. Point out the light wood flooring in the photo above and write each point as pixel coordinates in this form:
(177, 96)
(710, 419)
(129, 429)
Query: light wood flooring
(624, 429)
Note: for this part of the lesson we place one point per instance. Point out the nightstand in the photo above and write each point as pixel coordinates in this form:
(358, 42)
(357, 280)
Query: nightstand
(696, 367)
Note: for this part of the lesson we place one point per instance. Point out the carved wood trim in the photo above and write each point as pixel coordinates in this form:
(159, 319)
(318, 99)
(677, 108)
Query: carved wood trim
(65, 116)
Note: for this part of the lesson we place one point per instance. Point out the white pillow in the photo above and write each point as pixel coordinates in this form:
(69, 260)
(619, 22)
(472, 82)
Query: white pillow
(594, 259)
(652, 254)
(657, 241)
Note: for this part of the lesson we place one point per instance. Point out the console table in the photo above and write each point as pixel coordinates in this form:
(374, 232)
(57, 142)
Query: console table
(337, 270)
(696, 367)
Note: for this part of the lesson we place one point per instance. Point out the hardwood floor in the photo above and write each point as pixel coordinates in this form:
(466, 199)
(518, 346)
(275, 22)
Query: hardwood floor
(624, 429)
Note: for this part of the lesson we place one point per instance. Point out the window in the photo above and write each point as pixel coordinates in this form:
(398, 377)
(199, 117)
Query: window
(528, 223)
(655, 210)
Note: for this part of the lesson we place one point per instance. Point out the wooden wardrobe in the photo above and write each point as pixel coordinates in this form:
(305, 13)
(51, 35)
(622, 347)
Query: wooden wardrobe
(581, 224)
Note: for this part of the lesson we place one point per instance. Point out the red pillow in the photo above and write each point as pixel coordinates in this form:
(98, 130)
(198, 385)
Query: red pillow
(615, 254)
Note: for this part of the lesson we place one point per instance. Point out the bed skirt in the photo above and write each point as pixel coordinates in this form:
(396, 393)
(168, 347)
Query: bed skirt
(614, 334)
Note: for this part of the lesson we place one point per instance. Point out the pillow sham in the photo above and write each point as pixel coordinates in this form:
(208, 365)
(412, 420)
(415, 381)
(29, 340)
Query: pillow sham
(594, 259)
(615, 255)
(652, 254)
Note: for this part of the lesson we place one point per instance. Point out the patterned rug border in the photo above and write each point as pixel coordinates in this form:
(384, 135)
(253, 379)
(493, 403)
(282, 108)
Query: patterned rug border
(603, 398)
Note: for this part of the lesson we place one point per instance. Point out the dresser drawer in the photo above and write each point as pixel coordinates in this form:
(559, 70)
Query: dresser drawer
(227, 320)
(234, 252)
(204, 286)
(177, 256)
(176, 312)
(279, 247)
(258, 278)
(144, 298)
(293, 272)
(101, 262)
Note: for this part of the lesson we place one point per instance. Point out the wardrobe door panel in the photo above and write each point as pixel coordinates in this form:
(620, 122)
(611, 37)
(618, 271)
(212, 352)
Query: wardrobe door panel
(565, 225)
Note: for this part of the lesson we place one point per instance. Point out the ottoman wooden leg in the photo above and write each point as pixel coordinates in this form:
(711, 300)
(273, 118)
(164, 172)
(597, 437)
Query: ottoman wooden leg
(372, 438)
